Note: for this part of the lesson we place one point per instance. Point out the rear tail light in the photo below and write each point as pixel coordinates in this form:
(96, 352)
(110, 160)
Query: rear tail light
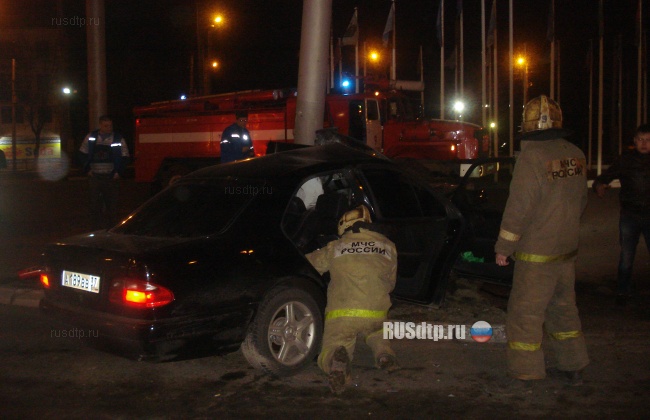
(45, 280)
(139, 294)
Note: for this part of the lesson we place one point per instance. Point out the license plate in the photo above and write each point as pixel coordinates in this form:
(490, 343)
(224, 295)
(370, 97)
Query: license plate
(80, 281)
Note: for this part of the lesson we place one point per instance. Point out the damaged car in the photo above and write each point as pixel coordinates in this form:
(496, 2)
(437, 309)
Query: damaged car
(219, 256)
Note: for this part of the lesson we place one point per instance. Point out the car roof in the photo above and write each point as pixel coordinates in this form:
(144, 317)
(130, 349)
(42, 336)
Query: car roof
(296, 163)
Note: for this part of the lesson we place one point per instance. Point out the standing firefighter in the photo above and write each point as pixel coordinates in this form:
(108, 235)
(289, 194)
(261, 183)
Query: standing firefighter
(363, 269)
(540, 230)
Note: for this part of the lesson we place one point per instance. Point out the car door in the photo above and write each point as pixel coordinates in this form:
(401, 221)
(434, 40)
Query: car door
(481, 197)
(374, 135)
(423, 226)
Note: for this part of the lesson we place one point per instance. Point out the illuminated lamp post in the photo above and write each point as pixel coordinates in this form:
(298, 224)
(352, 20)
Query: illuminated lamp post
(216, 22)
(522, 61)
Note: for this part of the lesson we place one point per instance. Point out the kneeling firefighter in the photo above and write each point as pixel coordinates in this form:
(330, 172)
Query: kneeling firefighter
(540, 231)
(363, 269)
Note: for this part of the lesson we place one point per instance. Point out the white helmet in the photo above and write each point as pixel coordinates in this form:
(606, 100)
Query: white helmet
(359, 214)
(541, 113)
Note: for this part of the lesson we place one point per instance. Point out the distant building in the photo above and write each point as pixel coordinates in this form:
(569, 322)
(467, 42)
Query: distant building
(39, 108)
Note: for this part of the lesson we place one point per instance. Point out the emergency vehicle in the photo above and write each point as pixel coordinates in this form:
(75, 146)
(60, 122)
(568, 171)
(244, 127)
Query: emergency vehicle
(173, 138)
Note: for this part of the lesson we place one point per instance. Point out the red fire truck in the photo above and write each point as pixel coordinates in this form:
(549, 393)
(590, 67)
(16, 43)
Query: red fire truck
(175, 137)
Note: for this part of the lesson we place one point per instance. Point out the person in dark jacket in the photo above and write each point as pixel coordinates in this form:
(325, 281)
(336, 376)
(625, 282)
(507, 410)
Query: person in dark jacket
(633, 171)
(104, 156)
(236, 141)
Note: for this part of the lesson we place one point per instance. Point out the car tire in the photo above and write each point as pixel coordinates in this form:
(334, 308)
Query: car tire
(286, 333)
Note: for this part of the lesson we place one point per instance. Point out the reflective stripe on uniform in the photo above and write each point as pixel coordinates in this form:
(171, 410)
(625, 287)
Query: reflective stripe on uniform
(522, 256)
(509, 236)
(565, 335)
(517, 345)
(357, 313)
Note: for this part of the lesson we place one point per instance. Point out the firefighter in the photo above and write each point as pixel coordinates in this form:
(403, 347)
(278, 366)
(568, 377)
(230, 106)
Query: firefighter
(363, 269)
(236, 141)
(104, 156)
(539, 230)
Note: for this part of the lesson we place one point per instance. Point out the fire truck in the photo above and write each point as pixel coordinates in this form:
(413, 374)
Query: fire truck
(173, 138)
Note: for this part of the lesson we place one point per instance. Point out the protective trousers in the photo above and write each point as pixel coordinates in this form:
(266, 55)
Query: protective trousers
(543, 298)
(104, 194)
(343, 331)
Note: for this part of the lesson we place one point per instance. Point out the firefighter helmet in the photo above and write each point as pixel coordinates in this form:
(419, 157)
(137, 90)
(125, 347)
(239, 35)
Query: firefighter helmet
(358, 214)
(541, 113)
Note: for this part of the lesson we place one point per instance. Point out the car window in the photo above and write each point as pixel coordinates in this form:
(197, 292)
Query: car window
(311, 217)
(486, 187)
(190, 209)
(398, 196)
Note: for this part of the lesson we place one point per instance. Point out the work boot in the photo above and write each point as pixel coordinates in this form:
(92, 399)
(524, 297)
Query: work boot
(339, 375)
(571, 377)
(388, 362)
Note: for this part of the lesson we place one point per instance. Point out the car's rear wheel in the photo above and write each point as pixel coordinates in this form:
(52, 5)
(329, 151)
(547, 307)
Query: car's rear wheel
(286, 334)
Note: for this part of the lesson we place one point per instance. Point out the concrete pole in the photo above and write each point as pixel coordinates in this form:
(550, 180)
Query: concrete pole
(96, 39)
(312, 70)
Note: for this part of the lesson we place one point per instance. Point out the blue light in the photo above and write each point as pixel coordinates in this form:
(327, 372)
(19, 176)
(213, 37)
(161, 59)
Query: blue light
(345, 83)
(183, 97)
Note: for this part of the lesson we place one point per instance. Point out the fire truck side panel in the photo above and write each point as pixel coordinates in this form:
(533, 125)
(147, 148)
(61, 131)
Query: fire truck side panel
(180, 136)
(199, 137)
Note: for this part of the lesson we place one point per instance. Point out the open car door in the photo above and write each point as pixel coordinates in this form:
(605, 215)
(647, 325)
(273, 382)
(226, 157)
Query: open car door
(424, 226)
(481, 197)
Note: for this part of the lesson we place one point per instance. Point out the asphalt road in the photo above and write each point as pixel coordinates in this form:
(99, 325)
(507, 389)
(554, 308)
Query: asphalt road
(49, 370)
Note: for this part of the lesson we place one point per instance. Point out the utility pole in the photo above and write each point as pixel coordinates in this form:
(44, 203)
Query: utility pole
(13, 112)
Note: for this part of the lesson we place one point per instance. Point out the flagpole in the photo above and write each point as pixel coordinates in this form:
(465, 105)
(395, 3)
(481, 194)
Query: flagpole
(356, 66)
(442, 59)
(340, 62)
(620, 94)
(639, 70)
(599, 162)
(551, 24)
(422, 79)
(331, 84)
(591, 102)
(645, 79)
(462, 57)
(483, 92)
(495, 95)
(511, 69)
(393, 74)
(559, 67)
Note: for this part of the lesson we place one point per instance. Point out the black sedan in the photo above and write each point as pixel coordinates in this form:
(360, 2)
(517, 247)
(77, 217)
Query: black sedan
(219, 255)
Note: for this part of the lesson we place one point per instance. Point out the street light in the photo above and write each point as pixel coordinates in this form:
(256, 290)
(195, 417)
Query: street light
(459, 107)
(522, 61)
(205, 21)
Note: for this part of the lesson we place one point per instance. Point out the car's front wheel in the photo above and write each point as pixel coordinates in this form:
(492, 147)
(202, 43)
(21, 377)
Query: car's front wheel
(286, 333)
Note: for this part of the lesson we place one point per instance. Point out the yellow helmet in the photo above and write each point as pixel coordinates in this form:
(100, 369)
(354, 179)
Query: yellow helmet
(359, 214)
(541, 113)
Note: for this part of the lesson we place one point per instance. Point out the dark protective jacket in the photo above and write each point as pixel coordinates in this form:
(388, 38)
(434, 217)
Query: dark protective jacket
(633, 170)
(363, 270)
(548, 193)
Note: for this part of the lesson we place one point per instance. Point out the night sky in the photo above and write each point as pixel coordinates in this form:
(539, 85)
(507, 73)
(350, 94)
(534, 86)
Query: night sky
(149, 45)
